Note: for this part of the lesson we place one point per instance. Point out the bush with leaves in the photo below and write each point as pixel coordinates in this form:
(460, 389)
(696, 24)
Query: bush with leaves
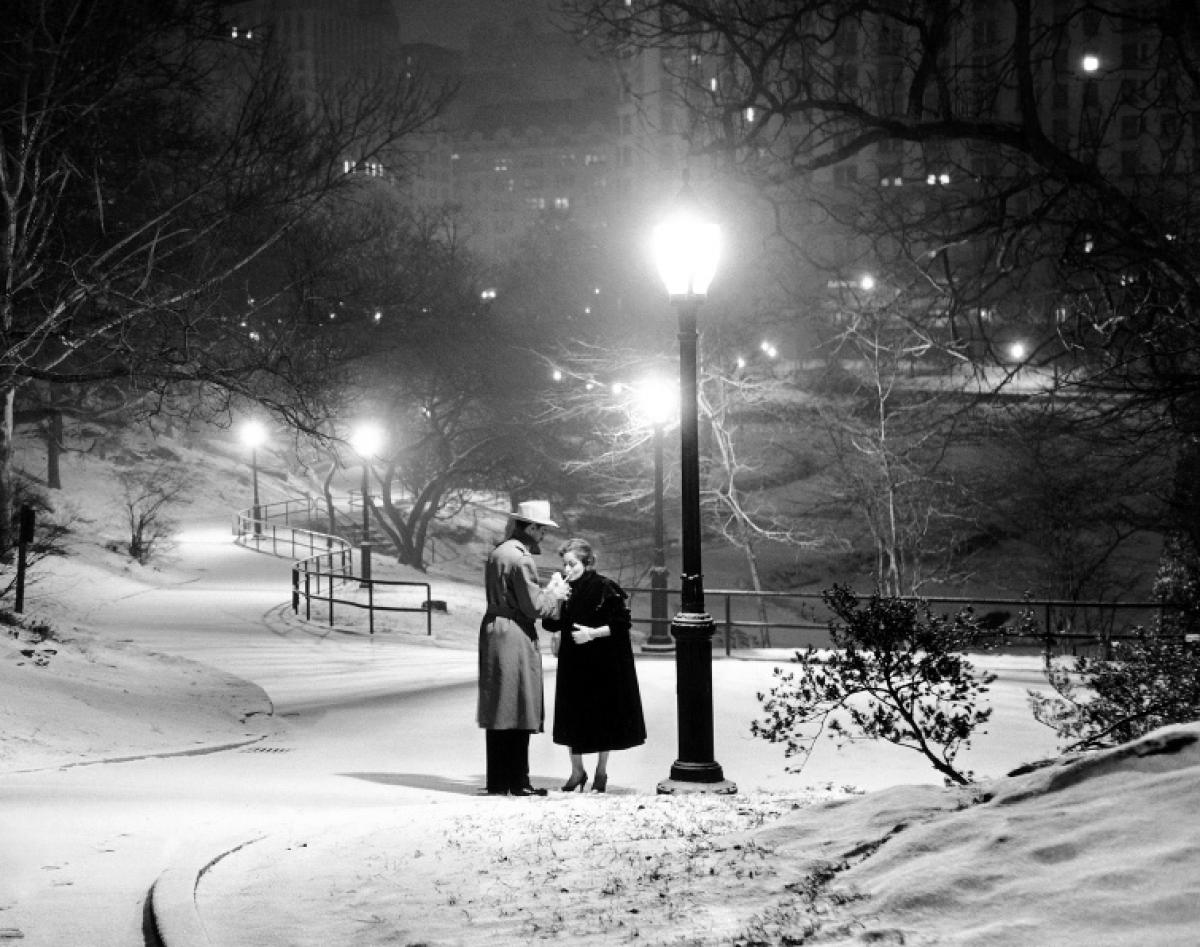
(896, 673)
(1147, 682)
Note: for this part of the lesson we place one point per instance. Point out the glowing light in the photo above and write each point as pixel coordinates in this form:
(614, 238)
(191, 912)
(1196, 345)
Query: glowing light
(1090, 62)
(686, 248)
(367, 439)
(1017, 351)
(657, 400)
(253, 433)
(867, 282)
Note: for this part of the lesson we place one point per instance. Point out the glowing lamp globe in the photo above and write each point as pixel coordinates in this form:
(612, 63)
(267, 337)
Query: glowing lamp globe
(686, 248)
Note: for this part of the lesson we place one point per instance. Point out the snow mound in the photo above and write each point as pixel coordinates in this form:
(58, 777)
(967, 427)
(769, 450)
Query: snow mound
(1072, 854)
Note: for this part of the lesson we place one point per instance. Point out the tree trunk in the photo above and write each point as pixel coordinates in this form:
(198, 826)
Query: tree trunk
(54, 435)
(327, 490)
(7, 500)
(756, 584)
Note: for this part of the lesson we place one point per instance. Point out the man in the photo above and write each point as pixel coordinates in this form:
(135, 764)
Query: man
(510, 664)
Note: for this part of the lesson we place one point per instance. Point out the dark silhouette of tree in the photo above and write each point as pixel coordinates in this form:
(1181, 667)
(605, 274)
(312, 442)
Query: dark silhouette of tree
(148, 159)
(969, 156)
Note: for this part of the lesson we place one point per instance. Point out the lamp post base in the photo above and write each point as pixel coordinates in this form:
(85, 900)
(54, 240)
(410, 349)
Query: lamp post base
(696, 769)
(696, 777)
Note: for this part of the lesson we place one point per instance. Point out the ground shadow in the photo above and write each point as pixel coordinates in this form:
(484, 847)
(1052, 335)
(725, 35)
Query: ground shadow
(469, 786)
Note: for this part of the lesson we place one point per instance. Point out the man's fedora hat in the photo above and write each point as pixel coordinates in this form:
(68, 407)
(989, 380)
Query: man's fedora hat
(534, 511)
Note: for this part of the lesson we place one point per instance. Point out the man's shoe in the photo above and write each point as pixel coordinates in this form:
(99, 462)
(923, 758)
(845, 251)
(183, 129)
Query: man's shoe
(527, 790)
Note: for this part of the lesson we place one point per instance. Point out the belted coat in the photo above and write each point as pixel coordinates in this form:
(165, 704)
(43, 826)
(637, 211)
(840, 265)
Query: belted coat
(511, 692)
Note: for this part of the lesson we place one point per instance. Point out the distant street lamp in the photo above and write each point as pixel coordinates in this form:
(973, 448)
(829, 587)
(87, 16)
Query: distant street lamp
(658, 405)
(686, 248)
(367, 441)
(254, 435)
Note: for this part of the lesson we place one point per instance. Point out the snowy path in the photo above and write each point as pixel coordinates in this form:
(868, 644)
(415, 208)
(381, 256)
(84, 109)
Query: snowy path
(368, 724)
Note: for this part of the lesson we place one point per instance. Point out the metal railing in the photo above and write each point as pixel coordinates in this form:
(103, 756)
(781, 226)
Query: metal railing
(324, 567)
(800, 619)
(329, 568)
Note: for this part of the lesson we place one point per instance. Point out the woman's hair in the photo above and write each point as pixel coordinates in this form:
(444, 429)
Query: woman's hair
(582, 549)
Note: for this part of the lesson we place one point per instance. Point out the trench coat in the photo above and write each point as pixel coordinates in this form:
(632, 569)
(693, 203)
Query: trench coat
(511, 691)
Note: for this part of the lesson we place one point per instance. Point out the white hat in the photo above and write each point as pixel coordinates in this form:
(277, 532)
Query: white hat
(534, 511)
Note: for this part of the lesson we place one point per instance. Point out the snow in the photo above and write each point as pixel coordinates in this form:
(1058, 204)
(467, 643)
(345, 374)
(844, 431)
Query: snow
(343, 808)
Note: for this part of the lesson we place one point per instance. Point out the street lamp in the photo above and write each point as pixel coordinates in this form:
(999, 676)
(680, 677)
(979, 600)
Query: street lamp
(366, 440)
(254, 435)
(658, 405)
(686, 247)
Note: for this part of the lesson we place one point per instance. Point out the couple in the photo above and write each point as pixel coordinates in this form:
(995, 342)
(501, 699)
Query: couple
(597, 706)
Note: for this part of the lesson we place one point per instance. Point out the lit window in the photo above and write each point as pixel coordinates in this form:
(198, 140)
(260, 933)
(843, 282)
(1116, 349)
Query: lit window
(750, 114)
(562, 203)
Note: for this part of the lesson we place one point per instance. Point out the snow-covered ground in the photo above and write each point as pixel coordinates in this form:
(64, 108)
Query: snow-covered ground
(864, 847)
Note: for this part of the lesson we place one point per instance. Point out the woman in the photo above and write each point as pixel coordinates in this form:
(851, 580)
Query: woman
(597, 704)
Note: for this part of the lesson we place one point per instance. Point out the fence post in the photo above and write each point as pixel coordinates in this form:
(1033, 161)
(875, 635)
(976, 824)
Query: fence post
(428, 610)
(307, 596)
(295, 589)
(24, 538)
(728, 623)
(365, 558)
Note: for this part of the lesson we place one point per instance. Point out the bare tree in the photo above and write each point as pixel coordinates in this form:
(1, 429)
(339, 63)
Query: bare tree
(599, 415)
(148, 159)
(968, 154)
(892, 427)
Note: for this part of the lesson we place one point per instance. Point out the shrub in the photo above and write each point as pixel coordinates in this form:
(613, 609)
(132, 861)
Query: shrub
(1145, 683)
(147, 496)
(896, 673)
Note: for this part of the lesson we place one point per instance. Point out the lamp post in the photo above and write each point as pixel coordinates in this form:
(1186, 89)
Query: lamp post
(254, 435)
(366, 441)
(657, 406)
(686, 248)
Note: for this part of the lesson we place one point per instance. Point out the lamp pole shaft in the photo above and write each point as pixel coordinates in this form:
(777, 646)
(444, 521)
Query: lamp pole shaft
(660, 640)
(366, 485)
(256, 512)
(692, 627)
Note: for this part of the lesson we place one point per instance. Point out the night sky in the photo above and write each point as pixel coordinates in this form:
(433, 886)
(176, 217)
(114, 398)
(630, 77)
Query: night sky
(448, 22)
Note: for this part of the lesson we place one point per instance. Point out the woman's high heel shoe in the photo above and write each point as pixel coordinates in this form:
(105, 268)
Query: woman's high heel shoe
(600, 783)
(575, 782)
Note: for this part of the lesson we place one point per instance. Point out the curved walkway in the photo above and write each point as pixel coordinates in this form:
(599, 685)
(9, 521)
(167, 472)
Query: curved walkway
(375, 730)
